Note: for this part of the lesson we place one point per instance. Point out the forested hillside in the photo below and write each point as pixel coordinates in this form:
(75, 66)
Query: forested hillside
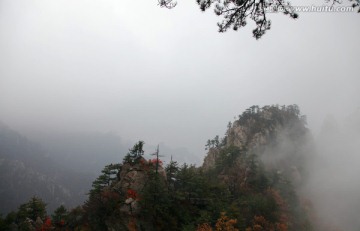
(252, 179)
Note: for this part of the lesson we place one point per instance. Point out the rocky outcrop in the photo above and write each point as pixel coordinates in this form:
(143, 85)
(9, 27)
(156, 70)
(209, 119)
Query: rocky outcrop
(132, 180)
(210, 158)
(243, 136)
(127, 190)
(277, 135)
(132, 176)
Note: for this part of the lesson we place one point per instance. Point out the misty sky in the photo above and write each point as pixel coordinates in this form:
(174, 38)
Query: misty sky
(168, 76)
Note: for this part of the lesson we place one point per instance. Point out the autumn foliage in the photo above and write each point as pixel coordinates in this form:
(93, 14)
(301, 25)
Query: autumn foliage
(222, 224)
(187, 197)
(47, 225)
(261, 224)
(153, 161)
(131, 194)
(204, 227)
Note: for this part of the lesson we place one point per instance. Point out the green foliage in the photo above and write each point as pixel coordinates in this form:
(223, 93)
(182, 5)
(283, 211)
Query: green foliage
(34, 208)
(103, 200)
(25, 218)
(60, 216)
(227, 157)
(135, 153)
(184, 197)
(214, 143)
(270, 116)
(3, 224)
(171, 170)
(9, 221)
(76, 218)
(155, 203)
(239, 185)
(109, 174)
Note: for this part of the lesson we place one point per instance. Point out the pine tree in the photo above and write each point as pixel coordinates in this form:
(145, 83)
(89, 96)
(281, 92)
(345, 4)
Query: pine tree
(34, 208)
(135, 153)
(60, 216)
(109, 174)
(171, 171)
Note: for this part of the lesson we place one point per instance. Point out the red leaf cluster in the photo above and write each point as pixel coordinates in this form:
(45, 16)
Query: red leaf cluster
(131, 194)
(153, 161)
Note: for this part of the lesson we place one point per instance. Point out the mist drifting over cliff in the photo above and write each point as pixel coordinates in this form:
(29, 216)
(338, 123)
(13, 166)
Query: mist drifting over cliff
(130, 70)
(334, 186)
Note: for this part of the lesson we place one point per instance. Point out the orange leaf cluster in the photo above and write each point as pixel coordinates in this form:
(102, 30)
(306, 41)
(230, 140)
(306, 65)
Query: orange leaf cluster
(223, 224)
(204, 227)
(260, 224)
(282, 205)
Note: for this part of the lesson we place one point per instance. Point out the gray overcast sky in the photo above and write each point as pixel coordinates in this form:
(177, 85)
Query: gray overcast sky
(162, 75)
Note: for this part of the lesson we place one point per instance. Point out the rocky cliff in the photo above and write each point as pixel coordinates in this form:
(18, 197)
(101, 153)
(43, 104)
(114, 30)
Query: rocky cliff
(124, 193)
(277, 135)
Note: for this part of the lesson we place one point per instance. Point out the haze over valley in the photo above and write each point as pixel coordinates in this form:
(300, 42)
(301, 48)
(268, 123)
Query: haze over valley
(82, 82)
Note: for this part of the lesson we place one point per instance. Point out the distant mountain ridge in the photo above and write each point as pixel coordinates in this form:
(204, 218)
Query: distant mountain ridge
(85, 152)
(57, 167)
(26, 170)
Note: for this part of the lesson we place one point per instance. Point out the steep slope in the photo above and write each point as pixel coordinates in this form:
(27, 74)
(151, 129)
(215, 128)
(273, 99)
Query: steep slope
(274, 143)
(254, 174)
(252, 179)
(277, 135)
(81, 150)
(26, 170)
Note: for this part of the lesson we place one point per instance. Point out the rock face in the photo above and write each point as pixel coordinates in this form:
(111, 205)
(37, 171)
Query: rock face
(121, 191)
(277, 135)
(237, 135)
(132, 180)
(210, 158)
(243, 136)
(132, 176)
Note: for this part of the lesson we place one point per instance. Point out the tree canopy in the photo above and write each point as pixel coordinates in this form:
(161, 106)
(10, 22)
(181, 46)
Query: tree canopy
(235, 13)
